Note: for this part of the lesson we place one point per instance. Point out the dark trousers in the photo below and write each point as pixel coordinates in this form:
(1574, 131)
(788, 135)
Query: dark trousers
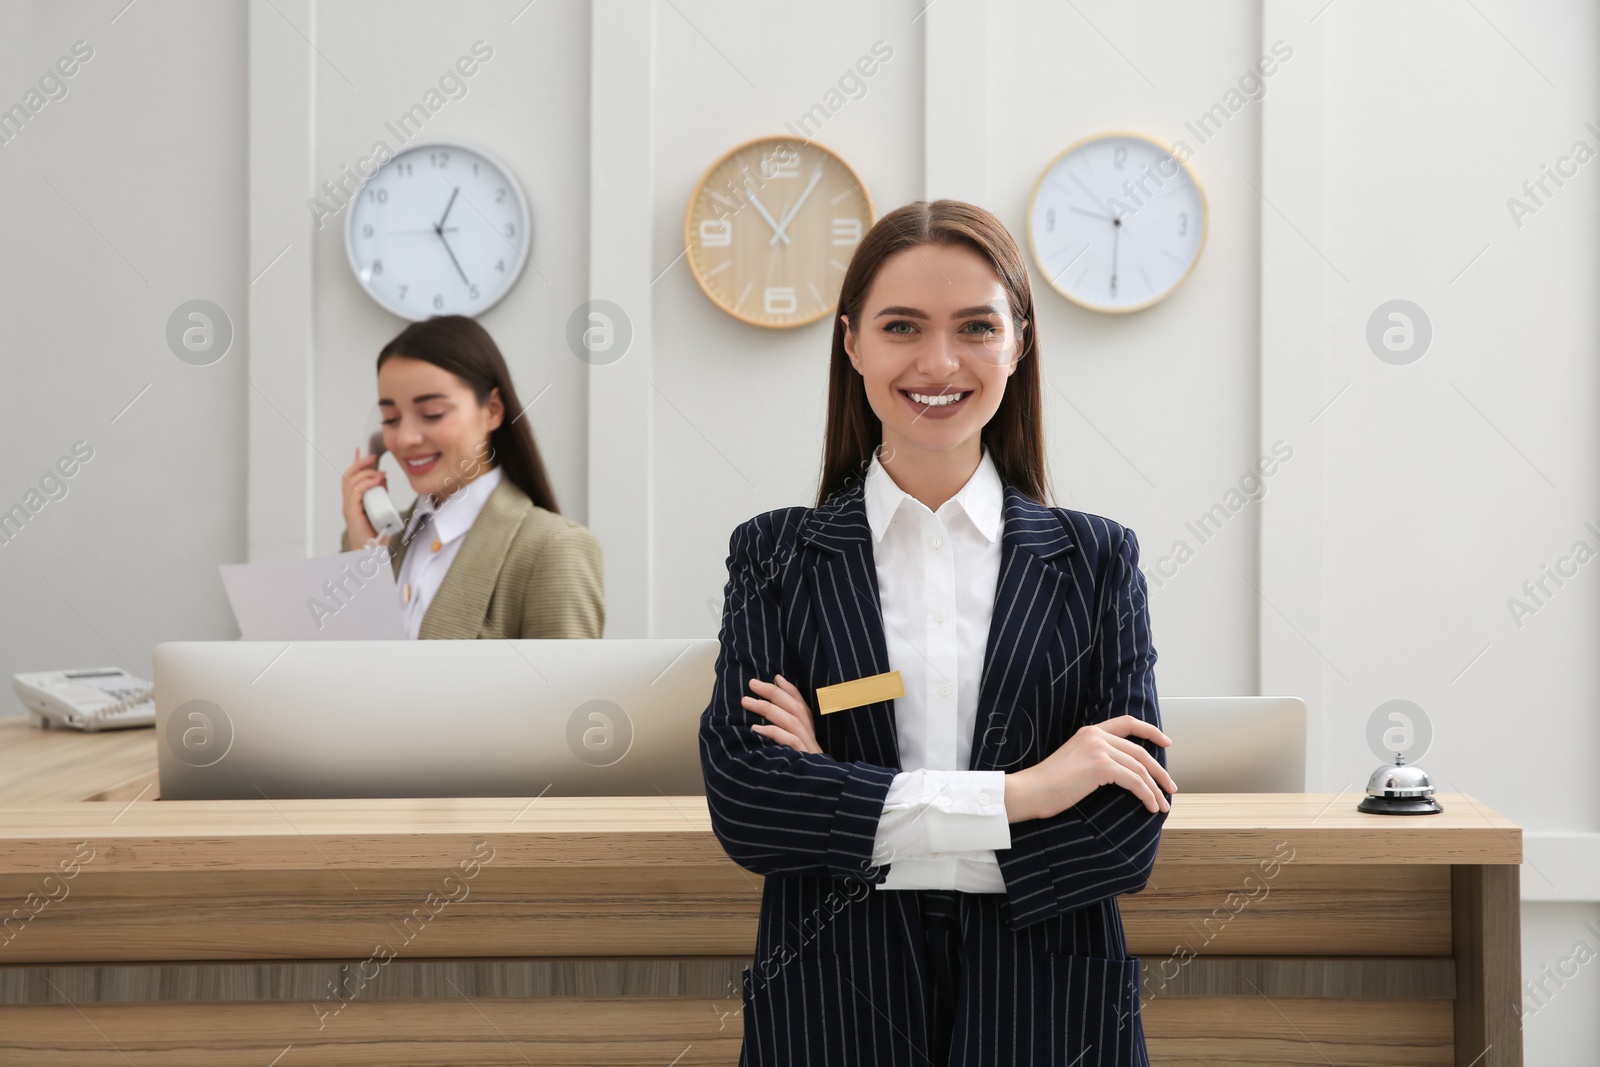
(941, 932)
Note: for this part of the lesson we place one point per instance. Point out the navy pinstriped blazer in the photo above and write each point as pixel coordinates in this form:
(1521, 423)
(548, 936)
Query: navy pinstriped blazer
(838, 975)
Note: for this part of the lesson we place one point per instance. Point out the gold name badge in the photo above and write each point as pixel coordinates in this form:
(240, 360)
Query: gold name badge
(862, 691)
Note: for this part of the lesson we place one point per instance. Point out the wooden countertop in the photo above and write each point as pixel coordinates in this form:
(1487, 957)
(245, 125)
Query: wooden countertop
(45, 766)
(60, 787)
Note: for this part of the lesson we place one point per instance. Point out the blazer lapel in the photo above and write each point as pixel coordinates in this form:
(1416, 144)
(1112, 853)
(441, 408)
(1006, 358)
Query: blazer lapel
(399, 553)
(843, 582)
(458, 609)
(1029, 598)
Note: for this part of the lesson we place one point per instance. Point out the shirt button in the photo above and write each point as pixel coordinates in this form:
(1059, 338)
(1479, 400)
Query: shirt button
(938, 616)
(944, 802)
(944, 689)
(983, 798)
(937, 541)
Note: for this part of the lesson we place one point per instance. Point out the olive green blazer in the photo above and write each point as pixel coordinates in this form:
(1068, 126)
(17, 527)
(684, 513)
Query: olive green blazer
(522, 572)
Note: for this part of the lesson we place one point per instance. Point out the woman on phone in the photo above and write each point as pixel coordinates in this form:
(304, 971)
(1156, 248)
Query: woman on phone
(942, 869)
(485, 551)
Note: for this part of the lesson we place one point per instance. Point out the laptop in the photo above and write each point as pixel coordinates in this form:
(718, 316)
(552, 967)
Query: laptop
(332, 719)
(607, 717)
(1236, 744)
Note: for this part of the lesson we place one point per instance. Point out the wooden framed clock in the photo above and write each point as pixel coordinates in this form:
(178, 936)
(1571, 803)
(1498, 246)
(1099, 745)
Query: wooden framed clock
(1117, 222)
(771, 227)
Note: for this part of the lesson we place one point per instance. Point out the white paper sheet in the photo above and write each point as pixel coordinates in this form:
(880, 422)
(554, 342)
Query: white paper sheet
(347, 597)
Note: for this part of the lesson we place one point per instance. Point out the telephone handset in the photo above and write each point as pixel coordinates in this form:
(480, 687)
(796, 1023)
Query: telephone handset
(375, 501)
(98, 698)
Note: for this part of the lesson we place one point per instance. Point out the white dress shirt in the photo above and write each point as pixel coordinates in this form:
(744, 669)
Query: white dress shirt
(434, 535)
(937, 576)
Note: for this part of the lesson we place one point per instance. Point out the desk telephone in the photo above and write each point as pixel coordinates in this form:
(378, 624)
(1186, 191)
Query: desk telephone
(98, 698)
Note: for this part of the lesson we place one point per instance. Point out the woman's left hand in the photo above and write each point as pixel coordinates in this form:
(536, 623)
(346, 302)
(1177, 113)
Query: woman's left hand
(787, 713)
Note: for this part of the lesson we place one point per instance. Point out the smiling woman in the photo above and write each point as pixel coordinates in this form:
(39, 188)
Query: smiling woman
(493, 556)
(1016, 784)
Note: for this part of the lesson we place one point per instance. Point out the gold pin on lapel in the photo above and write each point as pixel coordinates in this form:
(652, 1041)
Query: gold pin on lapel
(869, 690)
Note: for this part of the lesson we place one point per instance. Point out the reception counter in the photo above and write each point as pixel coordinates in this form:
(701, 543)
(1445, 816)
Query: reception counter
(1276, 928)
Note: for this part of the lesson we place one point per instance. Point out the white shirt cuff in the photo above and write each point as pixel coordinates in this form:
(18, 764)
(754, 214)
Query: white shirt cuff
(931, 812)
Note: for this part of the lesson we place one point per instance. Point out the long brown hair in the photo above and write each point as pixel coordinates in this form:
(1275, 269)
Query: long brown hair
(1015, 435)
(464, 348)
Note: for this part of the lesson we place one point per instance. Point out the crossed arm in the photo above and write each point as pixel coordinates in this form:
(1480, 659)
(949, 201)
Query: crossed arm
(781, 805)
(775, 809)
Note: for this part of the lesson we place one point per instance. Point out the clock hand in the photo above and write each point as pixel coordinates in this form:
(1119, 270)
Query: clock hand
(1086, 191)
(453, 194)
(454, 260)
(447, 229)
(783, 223)
(1116, 234)
(762, 211)
(1095, 214)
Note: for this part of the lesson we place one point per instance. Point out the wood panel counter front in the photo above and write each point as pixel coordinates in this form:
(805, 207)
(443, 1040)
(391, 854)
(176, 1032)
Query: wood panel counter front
(1276, 928)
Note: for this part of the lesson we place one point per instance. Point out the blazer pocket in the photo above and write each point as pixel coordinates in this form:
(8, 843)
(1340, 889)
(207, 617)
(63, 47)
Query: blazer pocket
(1093, 1007)
(801, 1009)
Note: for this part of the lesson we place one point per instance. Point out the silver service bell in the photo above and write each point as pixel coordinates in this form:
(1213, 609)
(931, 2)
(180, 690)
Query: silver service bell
(1400, 790)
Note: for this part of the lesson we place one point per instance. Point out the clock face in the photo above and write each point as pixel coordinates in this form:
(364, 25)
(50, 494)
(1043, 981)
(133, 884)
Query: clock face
(771, 228)
(438, 230)
(1116, 222)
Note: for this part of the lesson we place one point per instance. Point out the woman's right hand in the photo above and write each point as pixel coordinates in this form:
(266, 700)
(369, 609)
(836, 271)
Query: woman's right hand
(360, 476)
(1098, 754)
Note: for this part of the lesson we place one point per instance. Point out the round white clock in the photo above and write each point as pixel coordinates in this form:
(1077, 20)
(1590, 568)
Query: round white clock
(440, 229)
(1117, 222)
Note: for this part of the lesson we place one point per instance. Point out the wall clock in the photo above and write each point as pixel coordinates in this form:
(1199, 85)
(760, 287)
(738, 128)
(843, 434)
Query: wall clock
(1116, 222)
(771, 228)
(440, 229)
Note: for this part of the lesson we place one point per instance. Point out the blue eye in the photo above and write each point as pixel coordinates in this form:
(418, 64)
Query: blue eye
(890, 326)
